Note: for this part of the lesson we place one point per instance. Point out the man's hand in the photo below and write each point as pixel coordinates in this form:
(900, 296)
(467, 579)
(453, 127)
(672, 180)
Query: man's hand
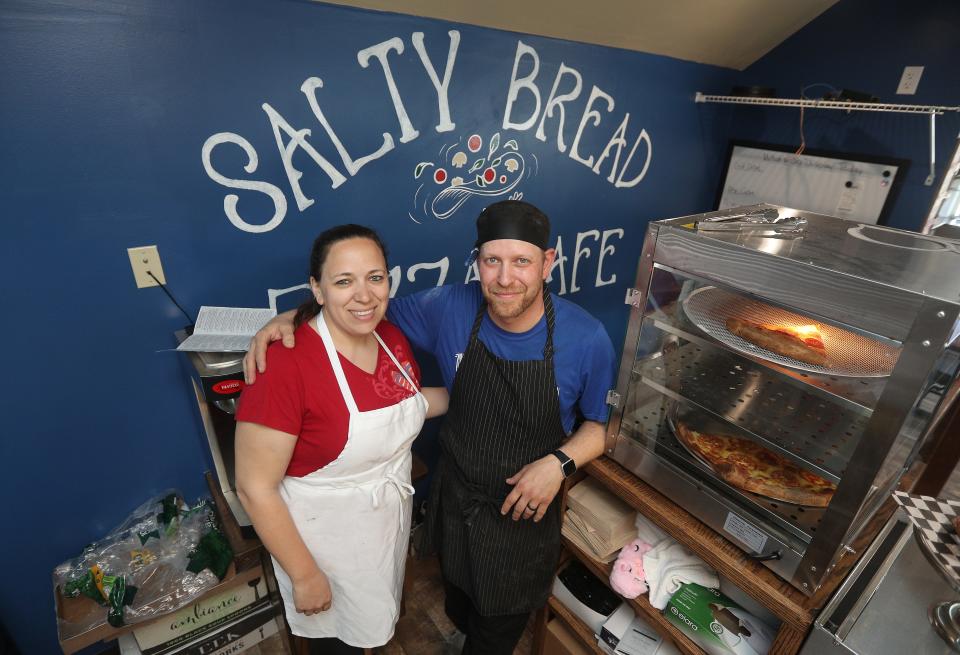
(534, 487)
(279, 327)
(312, 595)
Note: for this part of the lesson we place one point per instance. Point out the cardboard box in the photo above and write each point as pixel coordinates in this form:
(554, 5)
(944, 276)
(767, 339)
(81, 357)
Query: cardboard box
(203, 617)
(230, 639)
(717, 624)
(559, 640)
(81, 622)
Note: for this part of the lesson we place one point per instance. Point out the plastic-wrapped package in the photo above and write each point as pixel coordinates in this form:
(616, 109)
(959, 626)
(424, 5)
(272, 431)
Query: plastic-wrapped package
(162, 557)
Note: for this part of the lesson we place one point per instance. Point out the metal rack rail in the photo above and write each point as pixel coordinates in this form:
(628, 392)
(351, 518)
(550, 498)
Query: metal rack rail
(930, 110)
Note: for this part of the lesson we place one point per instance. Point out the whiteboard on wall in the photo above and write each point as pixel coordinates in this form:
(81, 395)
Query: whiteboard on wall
(853, 187)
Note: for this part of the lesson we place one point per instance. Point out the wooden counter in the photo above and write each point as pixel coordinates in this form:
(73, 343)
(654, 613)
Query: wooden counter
(785, 602)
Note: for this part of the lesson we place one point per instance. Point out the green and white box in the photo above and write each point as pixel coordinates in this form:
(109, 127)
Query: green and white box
(716, 623)
(167, 634)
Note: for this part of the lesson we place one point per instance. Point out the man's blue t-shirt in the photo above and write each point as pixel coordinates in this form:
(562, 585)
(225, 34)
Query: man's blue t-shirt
(439, 320)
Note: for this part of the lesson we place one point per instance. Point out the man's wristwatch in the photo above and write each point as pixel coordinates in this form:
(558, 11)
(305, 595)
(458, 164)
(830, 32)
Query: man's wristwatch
(567, 465)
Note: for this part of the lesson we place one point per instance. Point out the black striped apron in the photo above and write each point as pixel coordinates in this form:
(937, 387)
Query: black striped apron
(503, 415)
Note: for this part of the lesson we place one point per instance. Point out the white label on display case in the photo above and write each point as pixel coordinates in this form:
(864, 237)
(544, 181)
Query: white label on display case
(745, 533)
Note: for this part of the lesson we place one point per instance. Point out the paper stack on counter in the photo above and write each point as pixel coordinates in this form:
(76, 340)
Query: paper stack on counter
(598, 521)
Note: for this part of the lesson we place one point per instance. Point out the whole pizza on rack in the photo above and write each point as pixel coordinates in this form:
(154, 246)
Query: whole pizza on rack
(751, 467)
(803, 343)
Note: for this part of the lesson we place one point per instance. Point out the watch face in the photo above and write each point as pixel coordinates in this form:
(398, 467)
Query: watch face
(567, 465)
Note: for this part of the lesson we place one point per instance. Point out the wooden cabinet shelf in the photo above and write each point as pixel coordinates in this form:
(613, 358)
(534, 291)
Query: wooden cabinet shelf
(576, 625)
(785, 602)
(782, 600)
(640, 604)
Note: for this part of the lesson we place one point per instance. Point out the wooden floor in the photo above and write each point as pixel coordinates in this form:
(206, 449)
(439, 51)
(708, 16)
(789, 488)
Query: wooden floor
(424, 629)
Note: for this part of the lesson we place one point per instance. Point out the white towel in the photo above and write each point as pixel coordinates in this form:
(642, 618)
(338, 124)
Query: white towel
(670, 565)
(648, 532)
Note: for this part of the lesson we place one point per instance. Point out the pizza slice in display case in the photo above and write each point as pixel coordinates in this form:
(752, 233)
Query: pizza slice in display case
(751, 467)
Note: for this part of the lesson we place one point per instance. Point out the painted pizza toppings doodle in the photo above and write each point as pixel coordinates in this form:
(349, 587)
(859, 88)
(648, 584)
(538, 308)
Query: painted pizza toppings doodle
(494, 174)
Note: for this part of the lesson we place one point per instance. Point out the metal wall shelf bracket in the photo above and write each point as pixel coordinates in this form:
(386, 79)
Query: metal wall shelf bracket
(931, 110)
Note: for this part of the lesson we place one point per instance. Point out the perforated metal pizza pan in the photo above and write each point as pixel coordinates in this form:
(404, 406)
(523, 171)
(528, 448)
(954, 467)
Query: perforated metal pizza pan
(848, 354)
(671, 423)
(648, 421)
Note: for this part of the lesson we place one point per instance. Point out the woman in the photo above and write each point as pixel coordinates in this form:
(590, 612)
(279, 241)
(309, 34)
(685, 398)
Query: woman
(323, 450)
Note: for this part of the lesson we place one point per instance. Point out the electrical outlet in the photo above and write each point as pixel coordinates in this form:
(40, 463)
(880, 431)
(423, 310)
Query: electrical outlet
(143, 259)
(910, 80)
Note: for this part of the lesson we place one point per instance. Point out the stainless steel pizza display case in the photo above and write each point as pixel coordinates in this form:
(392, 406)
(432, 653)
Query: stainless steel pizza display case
(885, 303)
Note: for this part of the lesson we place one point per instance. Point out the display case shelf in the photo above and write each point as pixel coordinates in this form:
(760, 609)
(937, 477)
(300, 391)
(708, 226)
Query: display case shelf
(652, 434)
(856, 394)
(814, 433)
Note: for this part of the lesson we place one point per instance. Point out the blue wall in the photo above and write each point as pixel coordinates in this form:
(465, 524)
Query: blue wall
(863, 45)
(106, 108)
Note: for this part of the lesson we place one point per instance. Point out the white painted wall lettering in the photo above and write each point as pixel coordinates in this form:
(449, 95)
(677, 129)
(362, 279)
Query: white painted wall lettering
(442, 88)
(558, 263)
(646, 162)
(442, 265)
(589, 114)
(230, 200)
(517, 84)
(380, 51)
(472, 273)
(448, 184)
(556, 101)
(309, 88)
(298, 139)
(585, 251)
(607, 250)
(581, 252)
(618, 140)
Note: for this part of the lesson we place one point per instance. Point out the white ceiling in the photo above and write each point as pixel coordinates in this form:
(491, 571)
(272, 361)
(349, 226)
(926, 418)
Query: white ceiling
(729, 33)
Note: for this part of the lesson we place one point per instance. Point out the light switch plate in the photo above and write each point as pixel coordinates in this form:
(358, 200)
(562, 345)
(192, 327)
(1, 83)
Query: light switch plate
(143, 259)
(910, 80)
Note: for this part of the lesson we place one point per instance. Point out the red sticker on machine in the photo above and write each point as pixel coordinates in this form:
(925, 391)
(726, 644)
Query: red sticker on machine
(227, 387)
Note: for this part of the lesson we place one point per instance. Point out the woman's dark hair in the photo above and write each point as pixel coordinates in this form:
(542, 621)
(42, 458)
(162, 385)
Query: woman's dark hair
(318, 255)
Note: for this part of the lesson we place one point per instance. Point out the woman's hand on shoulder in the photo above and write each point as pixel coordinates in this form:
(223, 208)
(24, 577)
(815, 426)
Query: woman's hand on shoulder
(278, 328)
(312, 594)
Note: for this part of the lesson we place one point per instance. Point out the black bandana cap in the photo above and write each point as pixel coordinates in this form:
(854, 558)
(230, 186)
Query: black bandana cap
(512, 219)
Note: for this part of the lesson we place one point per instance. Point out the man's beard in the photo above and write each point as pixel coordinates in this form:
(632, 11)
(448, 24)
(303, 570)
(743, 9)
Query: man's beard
(511, 308)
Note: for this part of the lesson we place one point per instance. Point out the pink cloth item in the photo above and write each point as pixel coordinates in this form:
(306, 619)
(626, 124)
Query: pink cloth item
(627, 577)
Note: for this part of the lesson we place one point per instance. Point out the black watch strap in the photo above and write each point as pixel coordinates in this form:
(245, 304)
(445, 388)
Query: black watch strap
(567, 465)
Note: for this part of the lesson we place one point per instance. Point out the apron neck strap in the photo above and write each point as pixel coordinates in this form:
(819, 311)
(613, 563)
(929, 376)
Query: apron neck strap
(551, 321)
(547, 310)
(334, 358)
(396, 363)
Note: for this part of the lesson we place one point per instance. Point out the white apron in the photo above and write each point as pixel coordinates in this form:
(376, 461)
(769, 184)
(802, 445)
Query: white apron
(354, 516)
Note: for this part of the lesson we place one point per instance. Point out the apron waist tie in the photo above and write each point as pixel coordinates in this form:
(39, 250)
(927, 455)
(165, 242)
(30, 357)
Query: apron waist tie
(474, 503)
(390, 480)
(476, 498)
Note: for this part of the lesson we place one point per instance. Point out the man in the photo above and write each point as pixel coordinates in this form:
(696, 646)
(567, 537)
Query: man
(520, 363)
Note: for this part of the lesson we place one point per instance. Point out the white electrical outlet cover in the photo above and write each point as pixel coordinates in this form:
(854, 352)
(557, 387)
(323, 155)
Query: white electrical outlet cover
(910, 80)
(143, 259)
